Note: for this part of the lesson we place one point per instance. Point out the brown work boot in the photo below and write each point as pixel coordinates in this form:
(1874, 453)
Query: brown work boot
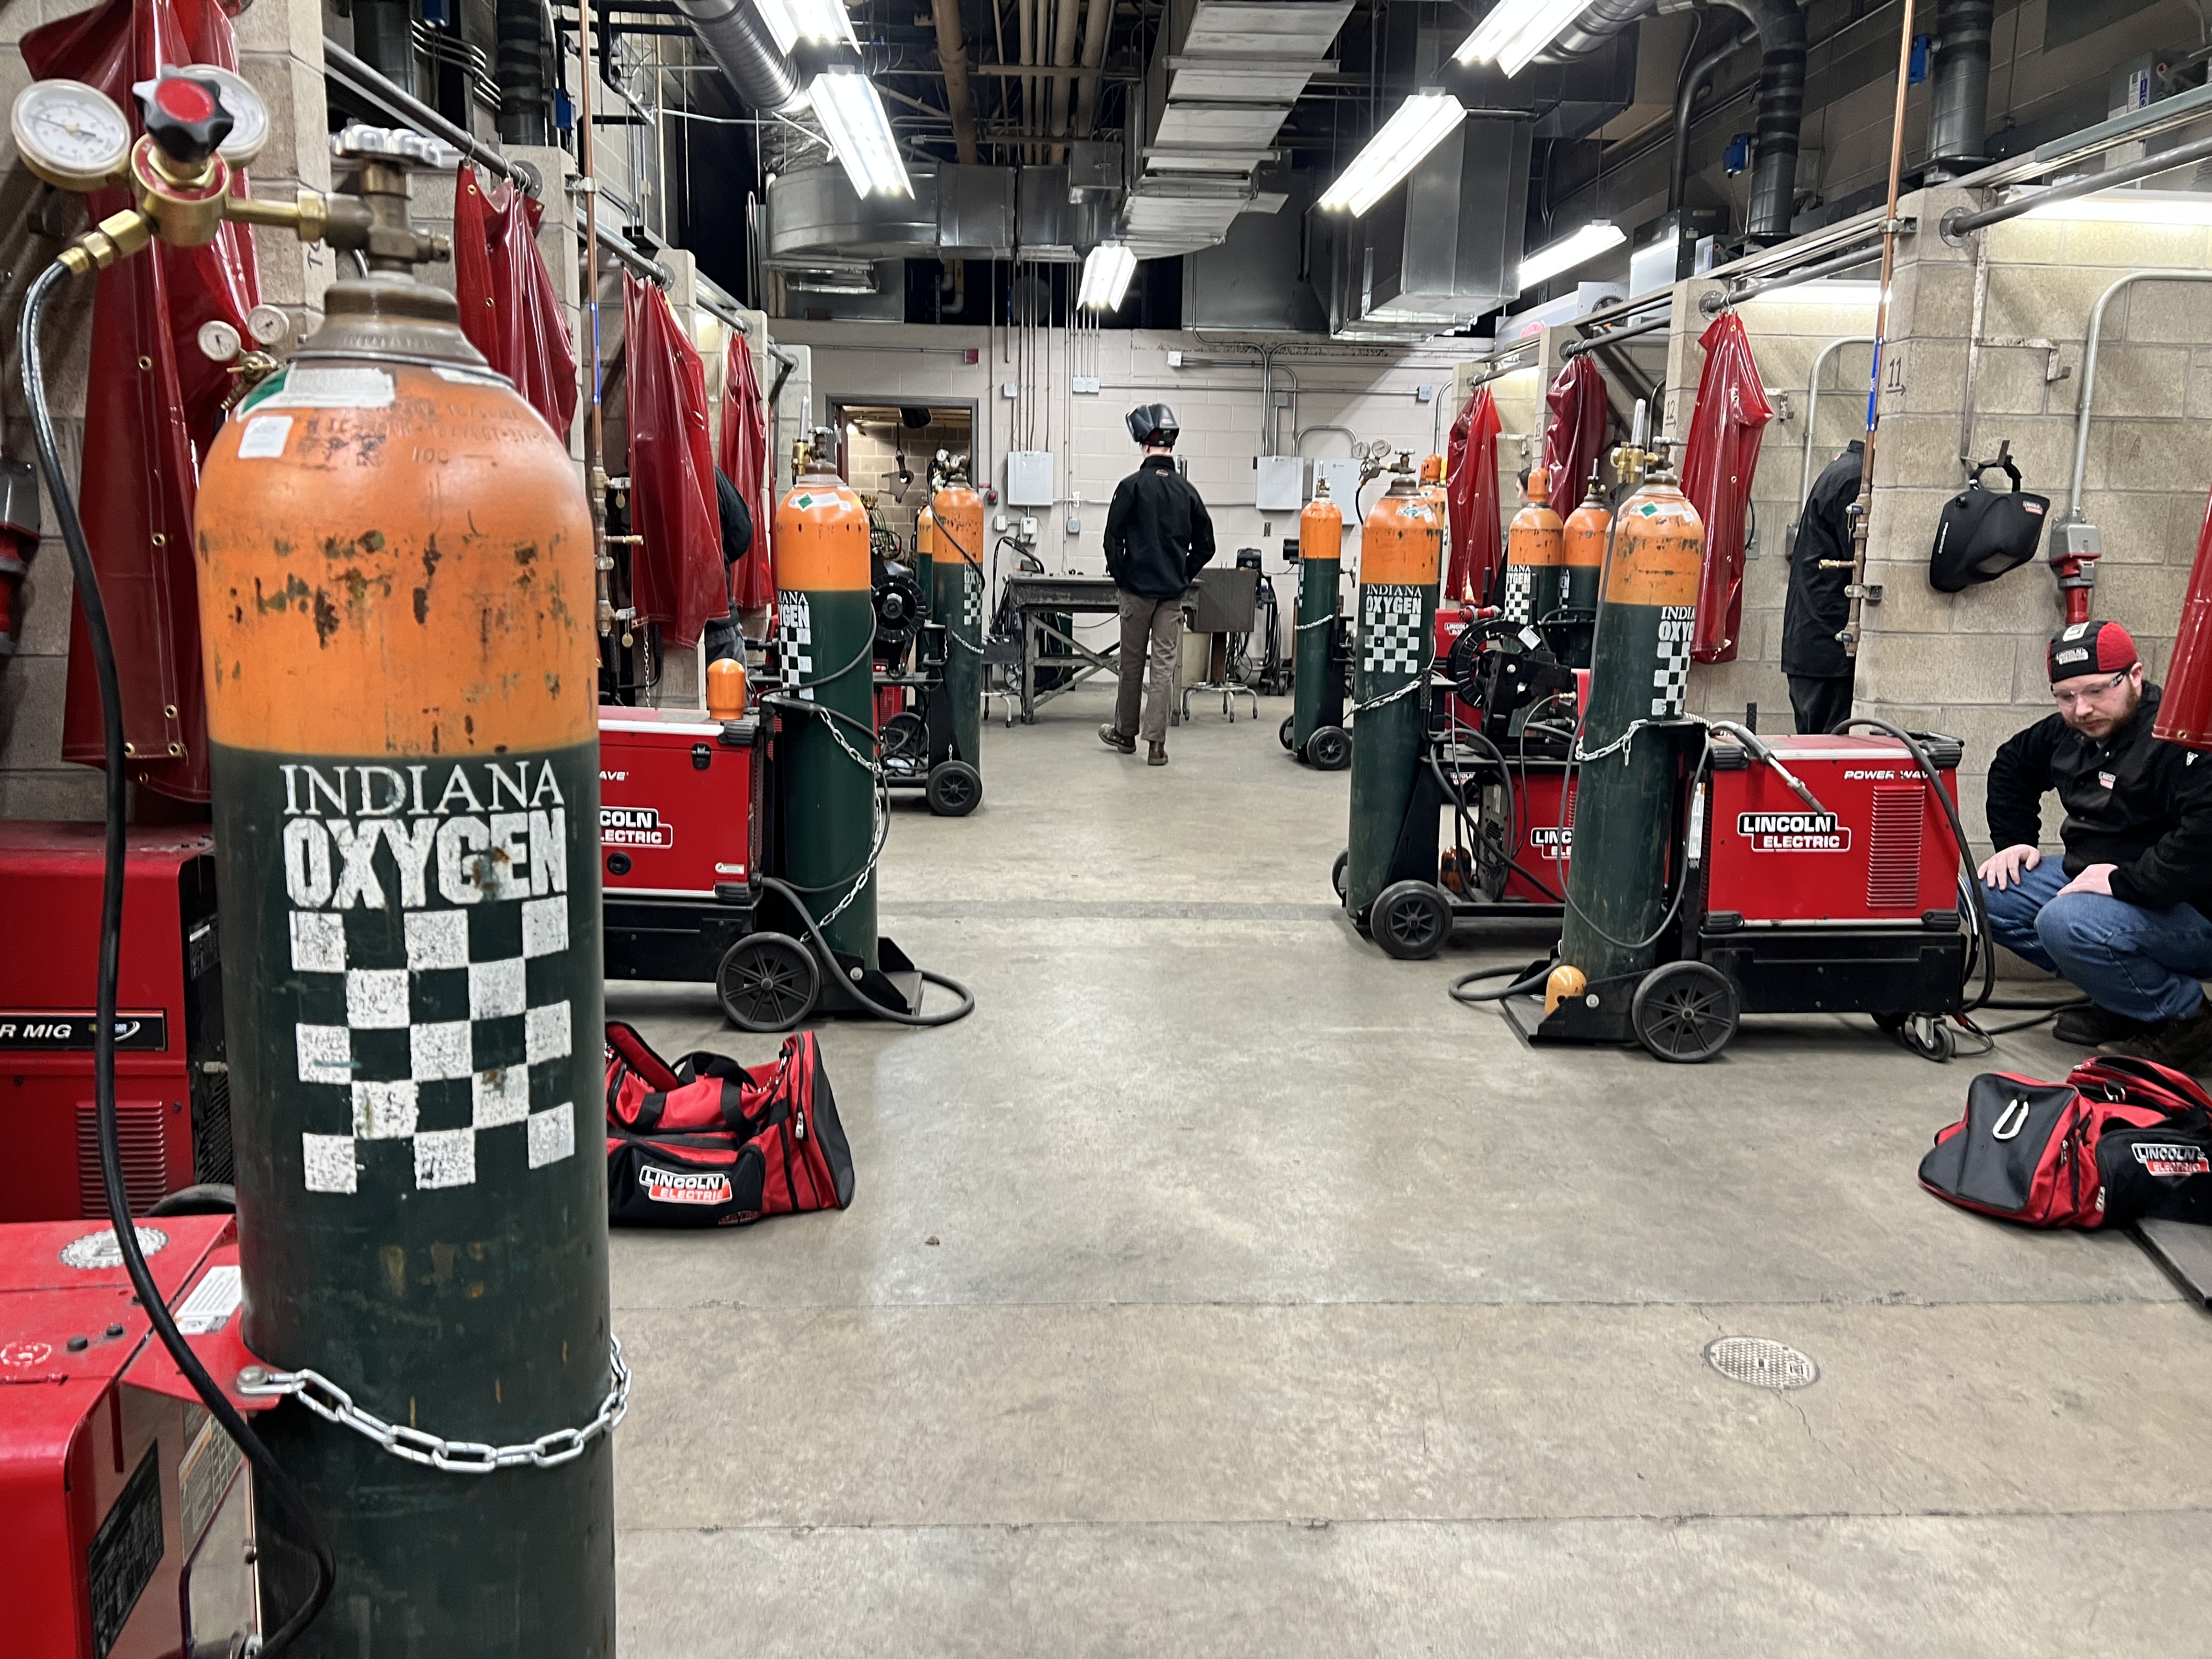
(2185, 1044)
(1113, 739)
(1155, 754)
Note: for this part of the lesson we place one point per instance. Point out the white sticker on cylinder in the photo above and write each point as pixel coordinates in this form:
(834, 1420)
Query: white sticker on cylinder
(264, 437)
(333, 388)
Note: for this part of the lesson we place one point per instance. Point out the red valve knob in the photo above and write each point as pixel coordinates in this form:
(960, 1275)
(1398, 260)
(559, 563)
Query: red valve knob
(186, 118)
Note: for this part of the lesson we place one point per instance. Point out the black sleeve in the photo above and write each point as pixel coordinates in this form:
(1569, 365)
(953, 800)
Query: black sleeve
(1117, 525)
(1201, 535)
(2174, 869)
(2020, 776)
(737, 519)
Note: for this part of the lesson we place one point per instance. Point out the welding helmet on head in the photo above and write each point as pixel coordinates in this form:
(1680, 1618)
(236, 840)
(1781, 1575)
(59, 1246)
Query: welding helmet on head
(1153, 423)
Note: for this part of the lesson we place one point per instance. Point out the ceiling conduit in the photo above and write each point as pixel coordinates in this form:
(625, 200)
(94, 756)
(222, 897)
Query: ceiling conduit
(742, 48)
(1958, 107)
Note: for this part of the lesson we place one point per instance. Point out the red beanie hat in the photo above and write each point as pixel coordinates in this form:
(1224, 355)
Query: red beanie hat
(2092, 648)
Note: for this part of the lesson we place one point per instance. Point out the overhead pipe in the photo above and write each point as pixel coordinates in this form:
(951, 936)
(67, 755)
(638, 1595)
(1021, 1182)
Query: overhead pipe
(1097, 18)
(1062, 92)
(742, 48)
(384, 36)
(1959, 100)
(1678, 172)
(1781, 28)
(523, 70)
(952, 57)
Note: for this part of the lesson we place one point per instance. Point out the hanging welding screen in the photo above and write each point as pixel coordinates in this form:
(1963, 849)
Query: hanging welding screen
(676, 577)
(1574, 430)
(2184, 713)
(1982, 533)
(1471, 495)
(1725, 430)
(153, 402)
(743, 456)
(510, 310)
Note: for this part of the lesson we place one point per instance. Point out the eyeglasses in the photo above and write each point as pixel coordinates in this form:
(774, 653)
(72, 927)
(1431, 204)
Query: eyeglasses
(2070, 699)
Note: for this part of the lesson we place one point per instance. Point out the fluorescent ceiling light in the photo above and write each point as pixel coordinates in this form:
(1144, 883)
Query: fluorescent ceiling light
(1516, 30)
(853, 116)
(1106, 272)
(1421, 123)
(1829, 291)
(2133, 207)
(1569, 252)
(826, 22)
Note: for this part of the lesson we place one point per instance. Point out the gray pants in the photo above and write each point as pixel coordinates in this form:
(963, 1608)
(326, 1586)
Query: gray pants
(1151, 629)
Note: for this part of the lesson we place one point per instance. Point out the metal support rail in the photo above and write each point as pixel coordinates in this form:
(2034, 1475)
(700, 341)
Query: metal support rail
(1574, 348)
(1813, 407)
(2089, 366)
(1713, 301)
(1960, 222)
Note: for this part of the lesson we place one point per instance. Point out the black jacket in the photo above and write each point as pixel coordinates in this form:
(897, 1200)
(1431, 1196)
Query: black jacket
(737, 519)
(1157, 535)
(2131, 801)
(1816, 608)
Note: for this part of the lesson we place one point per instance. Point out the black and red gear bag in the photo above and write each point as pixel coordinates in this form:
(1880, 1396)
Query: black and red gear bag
(2119, 1140)
(783, 1151)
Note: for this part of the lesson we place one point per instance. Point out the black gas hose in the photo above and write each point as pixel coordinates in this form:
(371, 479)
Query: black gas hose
(269, 1474)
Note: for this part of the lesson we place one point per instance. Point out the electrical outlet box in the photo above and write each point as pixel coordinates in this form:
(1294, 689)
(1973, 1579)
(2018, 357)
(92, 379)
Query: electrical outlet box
(1029, 529)
(2077, 539)
(1029, 477)
(1280, 484)
(1175, 360)
(1425, 394)
(1084, 383)
(1074, 525)
(1009, 389)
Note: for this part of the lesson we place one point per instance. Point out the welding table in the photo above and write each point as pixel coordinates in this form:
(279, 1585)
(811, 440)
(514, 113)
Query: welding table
(1033, 601)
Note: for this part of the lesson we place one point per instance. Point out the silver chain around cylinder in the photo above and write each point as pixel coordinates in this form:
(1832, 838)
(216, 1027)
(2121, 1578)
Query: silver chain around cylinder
(333, 1404)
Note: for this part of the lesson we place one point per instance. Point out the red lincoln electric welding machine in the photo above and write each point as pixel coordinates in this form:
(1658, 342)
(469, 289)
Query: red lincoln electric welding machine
(171, 1085)
(129, 1532)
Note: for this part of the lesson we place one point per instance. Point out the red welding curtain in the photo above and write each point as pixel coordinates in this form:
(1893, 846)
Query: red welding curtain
(1574, 431)
(153, 405)
(509, 310)
(1731, 416)
(2184, 713)
(1471, 492)
(676, 572)
(744, 462)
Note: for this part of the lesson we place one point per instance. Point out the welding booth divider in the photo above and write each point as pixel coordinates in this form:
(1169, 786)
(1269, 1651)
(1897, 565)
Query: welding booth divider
(1574, 429)
(153, 402)
(1471, 500)
(744, 461)
(509, 309)
(2185, 712)
(1725, 430)
(677, 574)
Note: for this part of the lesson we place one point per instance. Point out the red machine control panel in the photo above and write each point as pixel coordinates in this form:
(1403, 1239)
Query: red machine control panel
(676, 802)
(1881, 849)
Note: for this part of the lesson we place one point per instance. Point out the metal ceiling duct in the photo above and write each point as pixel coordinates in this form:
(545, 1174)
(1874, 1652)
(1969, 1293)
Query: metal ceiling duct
(743, 48)
(1958, 105)
(1781, 28)
(814, 216)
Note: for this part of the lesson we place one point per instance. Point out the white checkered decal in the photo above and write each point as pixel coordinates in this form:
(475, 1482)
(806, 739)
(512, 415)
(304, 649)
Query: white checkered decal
(795, 641)
(1670, 680)
(1520, 591)
(433, 1034)
(1390, 640)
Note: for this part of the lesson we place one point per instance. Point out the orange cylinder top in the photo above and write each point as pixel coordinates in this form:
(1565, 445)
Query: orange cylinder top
(924, 533)
(1321, 530)
(1432, 469)
(1584, 533)
(1402, 538)
(1534, 536)
(821, 537)
(407, 578)
(958, 511)
(1657, 549)
(725, 688)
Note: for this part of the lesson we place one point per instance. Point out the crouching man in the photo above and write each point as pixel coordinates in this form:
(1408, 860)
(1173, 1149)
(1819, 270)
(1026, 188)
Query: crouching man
(2123, 914)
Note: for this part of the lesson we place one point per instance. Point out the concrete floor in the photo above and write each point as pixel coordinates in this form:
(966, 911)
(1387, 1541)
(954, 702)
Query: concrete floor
(1220, 1287)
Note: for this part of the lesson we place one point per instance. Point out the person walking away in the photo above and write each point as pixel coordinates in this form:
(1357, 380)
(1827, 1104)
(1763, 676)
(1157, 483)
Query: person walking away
(2123, 914)
(1157, 537)
(1812, 658)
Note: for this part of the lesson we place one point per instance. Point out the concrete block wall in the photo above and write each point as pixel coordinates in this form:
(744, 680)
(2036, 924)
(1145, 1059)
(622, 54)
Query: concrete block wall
(872, 462)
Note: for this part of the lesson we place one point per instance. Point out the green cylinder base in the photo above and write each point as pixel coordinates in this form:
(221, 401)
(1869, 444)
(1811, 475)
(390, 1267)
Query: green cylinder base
(1397, 632)
(828, 796)
(955, 599)
(1318, 580)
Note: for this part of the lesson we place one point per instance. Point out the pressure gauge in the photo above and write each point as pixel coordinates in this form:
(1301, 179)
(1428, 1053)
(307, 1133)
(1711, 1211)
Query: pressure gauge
(218, 341)
(249, 117)
(69, 134)
(267, 324)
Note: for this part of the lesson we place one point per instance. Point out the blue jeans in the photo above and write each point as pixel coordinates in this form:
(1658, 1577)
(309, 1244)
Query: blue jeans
(2143, 963)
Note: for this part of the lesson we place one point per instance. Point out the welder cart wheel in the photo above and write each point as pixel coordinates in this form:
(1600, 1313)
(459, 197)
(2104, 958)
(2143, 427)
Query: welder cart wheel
(956, 788)
(1329, 749)
(767, 982)
(904, 738)
(1290, 724)
(1336, 874)
(1410, 919)
(1685, 1012)
(1927, 1035)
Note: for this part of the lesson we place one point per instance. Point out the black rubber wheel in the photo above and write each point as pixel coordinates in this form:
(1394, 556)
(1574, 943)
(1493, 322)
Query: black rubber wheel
(1929, 1036)
(1685, 1012)
(1290, 725)
(1329, 749)
(956, 789)
(1336, 874)
(767, 983)
(904, 742)
(1410, 919)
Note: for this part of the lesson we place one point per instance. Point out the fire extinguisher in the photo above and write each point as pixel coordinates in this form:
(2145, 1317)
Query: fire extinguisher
(395, 575)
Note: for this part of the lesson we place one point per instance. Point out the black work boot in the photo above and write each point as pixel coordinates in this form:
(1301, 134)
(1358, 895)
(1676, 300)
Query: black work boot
(1113, 739)
(1155, 755)
(2088, 1028)
(2185, 1044)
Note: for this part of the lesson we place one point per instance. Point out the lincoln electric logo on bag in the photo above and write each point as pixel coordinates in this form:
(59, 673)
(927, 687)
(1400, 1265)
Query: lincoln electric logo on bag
(2168, 1160)
(684, 1187)
(634, 826)
(1793, 832)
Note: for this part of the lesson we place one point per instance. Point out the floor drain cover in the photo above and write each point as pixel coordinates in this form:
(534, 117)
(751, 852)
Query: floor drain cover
(1761, 1363)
